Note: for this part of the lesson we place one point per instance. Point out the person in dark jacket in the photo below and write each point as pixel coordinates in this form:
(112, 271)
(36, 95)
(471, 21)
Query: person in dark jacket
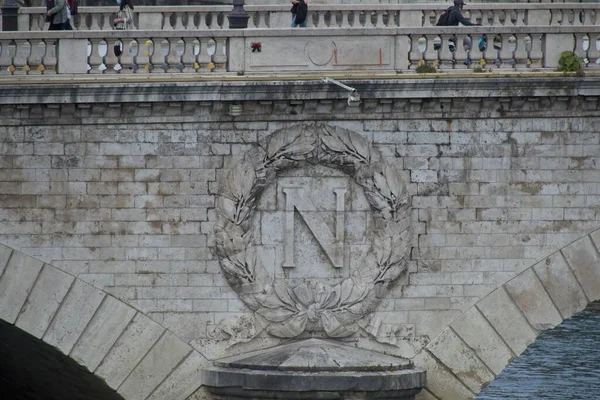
(455, 15)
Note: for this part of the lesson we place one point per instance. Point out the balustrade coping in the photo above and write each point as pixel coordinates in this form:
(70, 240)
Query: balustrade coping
(334, 7)
(284, 32)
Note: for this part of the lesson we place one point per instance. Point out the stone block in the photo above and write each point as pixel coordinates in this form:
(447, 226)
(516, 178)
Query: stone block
(461, 360)
(561, 284)
(160, 361)
(530, 295)
(104, 329)
(479, 335)
(183, 381)
(440, 381)
(129, 350)
(16, 282)
(584, 260)
(5, 253)
(507, 319)
(72, 318)
(44, 299)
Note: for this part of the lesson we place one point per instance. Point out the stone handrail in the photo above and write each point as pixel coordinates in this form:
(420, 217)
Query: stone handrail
(327, 16)
(269, 51)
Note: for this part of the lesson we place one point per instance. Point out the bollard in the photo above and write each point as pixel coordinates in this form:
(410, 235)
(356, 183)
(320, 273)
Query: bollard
(10, 15)
(238, 17)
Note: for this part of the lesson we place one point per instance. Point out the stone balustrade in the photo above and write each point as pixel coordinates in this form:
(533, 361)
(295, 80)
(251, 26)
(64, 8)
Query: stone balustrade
(268, 51)
(328, 16)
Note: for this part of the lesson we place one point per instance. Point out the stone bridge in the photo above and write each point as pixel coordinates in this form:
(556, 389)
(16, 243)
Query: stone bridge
(112, 186)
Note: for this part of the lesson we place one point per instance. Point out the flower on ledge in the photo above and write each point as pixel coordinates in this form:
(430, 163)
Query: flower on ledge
(256, 46)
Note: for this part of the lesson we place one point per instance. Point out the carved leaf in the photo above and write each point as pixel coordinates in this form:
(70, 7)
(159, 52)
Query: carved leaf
(289, 144)
(333, 144)
(394, 182)
(334, 328)
(275, 314)
(376, 200)
(227, 207)
(291, 328)
(322, 293)
(233, 269)
(241, 180)
(360, 145)
(382, 185)
(304, 294)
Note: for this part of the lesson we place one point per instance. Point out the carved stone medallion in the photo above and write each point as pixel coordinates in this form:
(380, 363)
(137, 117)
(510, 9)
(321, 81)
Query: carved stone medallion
(291, 306)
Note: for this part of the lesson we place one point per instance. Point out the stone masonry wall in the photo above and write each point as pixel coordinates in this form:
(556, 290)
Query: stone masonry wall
(123, 197)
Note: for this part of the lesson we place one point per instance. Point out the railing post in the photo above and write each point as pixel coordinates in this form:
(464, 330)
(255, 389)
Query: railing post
(72, 56)
(10, 15)
(150, 21)
(238, 17)
(401, 50)
(554, 44)
(236, 56)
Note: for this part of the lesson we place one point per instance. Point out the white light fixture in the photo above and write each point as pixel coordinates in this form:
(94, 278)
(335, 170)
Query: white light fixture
(353, 96)
(235, 110)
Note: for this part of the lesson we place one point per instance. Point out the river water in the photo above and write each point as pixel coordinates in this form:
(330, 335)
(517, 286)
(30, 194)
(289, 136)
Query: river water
(563, 364)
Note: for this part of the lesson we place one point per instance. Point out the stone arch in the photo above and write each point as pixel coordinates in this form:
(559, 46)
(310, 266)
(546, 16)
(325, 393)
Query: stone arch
(476, 347)
(133, 354)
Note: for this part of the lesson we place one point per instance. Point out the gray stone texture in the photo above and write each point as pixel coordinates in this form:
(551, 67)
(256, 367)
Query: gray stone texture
(17, 280)
(73, 317)
(43, 301)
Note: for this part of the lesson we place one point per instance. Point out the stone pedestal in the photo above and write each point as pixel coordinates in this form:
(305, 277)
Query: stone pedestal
(314, 369)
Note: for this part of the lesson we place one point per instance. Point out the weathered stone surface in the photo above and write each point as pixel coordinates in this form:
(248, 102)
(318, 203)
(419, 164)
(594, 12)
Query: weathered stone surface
(74, 315)
(440, 380)
(561, 284)
(425, 395)
(156, 365)
(129, 350)
(4, 256)
(479, 335)
(104, 329)
(15, 283)
(44, 299)
(583, 258)
(533, 300)
(309, 366)
(499, 309)
(183, 381)
(462, 361)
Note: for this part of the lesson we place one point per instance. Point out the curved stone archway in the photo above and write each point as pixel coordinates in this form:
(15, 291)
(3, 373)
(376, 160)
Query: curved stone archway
(136, 356)
(476, 347)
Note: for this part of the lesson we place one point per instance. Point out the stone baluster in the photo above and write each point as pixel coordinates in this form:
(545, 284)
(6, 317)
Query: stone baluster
(594, 52)
(415, 55)
(204, 55)
(582, 44)
(188, 57)
(94, 55)
(444, 54)
(461, 54)
(179, 25)
(522, 53)
(21, 52)
(173, 58)
(202, 20)
(225, 23)
(352, 18)
(131, 49)
(35, 62)
(320, 19)
(578, 17)
(50, 59)
(262, 19)
(105, 21)
(111, 60)
(536, 53)
(345, 19)
(96, 24)
(337, 19)
(521, 18)
(505, 54)
(380, 22)
(220, 57)
(158, 59)
(144, 57)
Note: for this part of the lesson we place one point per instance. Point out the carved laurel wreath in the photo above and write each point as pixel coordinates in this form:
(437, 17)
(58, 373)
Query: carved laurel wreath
(289, 310)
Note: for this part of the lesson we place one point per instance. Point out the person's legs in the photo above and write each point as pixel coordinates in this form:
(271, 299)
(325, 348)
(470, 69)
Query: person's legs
(55, 27)
(294, 21)
(304, 24)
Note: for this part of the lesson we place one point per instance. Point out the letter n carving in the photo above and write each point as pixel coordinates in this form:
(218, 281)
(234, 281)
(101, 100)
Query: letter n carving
(332, 244)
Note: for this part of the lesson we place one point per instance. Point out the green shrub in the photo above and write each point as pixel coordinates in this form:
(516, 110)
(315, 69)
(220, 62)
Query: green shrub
(569, 62)
(478, 69)
(426, 68)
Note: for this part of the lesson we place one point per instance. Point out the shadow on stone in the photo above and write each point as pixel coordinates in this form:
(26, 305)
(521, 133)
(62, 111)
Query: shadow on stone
(32, 370)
